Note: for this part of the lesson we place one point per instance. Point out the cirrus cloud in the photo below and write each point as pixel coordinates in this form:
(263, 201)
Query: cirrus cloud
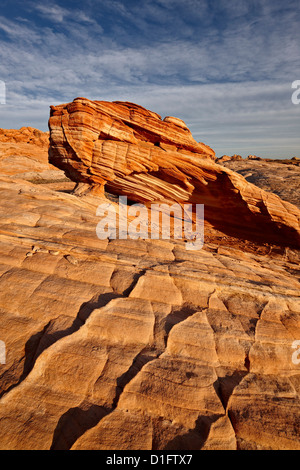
(226, 70)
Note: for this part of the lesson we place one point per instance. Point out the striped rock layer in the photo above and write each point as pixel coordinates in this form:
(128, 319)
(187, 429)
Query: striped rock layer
(133, 152)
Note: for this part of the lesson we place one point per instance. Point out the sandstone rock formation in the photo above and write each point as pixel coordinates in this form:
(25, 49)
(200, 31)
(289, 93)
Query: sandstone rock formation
(24, 154)
(224, 158)
(141, 344)
(132, 152)
(136, 344)
(236, 157)
(25, 135)
(122, 144)
(227, 158)
(253, 157)
(22, 150)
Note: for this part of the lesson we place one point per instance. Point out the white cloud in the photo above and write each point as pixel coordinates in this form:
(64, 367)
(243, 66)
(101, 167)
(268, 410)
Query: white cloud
(17, 31)
(246, 119)
(59, 14)
(233, 88)
(52, 12)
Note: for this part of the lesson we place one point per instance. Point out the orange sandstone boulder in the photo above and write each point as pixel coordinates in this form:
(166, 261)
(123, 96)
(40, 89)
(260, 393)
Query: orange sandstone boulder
(101, 142)
(133, 152)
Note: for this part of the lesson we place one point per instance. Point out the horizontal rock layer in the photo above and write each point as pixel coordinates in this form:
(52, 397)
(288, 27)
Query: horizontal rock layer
(132, 152)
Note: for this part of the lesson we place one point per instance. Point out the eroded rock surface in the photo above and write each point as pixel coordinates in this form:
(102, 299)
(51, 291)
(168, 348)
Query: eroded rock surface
(136, 344)
(24, 150)
(141, 344)
(24, 154)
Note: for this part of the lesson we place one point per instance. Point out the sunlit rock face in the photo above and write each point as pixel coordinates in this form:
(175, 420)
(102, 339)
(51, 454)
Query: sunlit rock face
(24, 154)
(131, 151)
(141, 344)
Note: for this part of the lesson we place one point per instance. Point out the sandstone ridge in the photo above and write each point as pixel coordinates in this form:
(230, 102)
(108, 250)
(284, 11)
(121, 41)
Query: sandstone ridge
(26, 135)
(131, 151)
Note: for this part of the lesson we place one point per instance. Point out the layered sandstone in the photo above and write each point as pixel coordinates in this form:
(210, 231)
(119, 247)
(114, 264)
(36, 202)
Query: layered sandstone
(23, 150)
(133, 152)
(141, 344)
(25, 135)
(24, 154)
(137, 344)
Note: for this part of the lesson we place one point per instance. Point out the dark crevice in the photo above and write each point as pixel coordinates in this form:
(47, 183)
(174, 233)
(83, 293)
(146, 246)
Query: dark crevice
(178, 316)
(146, 355)
(31, 347)
(136, 278)
(91, 417)
(193, 439)
(53, 331)
(75, 422)
(224, 386)
(237, 303)
(247, 362)
(97, 302)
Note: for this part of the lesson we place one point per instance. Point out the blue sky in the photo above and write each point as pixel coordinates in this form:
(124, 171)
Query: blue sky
(223, 66)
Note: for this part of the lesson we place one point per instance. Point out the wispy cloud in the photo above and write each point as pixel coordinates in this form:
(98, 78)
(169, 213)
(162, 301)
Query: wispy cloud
(230, 82)
(58, 14)
(52, 12)
(19, 31)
